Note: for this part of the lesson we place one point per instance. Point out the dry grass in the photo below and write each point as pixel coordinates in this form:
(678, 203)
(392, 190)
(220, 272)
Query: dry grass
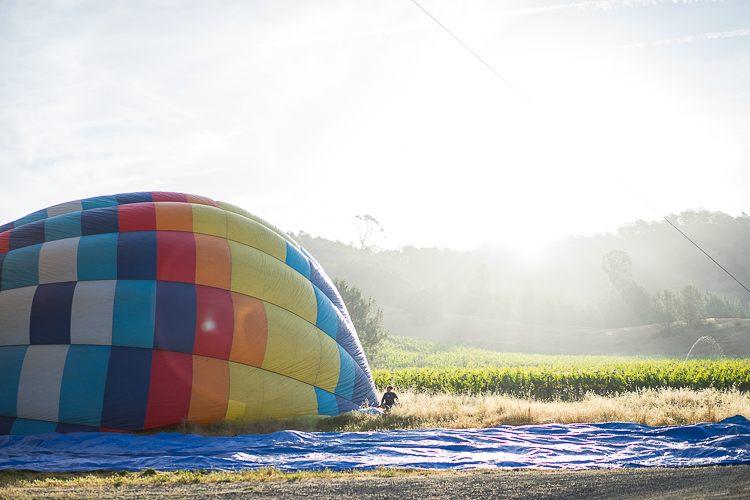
(652, 407)
(16, 485)
(420, 410)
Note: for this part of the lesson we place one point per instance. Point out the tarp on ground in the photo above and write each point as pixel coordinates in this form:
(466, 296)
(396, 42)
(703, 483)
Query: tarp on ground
(553, 446)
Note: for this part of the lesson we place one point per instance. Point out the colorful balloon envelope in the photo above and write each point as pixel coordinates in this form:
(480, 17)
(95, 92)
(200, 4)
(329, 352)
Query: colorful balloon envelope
(143, 310)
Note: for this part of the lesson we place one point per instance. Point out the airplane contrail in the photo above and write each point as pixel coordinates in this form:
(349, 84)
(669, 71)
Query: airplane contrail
(595, 5)
(684, 39)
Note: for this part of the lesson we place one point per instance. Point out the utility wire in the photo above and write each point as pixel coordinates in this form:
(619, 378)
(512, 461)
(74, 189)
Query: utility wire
(699, 248)
(474, 53)
(696, 245)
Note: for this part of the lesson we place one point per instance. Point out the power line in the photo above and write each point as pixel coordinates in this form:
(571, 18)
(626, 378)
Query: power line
(699, 248)
(694, 243)
(474, 53)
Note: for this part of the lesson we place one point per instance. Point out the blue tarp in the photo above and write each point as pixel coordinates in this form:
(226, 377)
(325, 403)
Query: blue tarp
(553, 446)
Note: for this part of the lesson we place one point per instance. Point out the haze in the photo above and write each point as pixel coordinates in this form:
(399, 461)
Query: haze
(310, 113)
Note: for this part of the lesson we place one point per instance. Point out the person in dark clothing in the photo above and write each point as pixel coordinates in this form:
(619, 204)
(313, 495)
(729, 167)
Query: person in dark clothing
(389, 398)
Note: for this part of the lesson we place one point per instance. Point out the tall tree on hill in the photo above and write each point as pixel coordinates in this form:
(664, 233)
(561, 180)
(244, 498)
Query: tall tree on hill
(619, 269)
(629, 303)
(368, 229)
(366, 315)
(691, 304)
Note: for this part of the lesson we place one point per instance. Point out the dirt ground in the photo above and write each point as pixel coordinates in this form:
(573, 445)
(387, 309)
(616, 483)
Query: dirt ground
(727, 482)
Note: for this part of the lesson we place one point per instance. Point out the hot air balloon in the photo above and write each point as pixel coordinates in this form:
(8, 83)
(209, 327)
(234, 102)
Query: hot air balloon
(142, 310)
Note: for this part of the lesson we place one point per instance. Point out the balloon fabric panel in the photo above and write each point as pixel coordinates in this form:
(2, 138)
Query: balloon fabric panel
(136, 256)
(40, 382)
(58, 261)
(83, 381)
(15, 309)
(175, 256)
(92, 312)
(213, 262)
(65, 208)
(11, 363)
(214, 325)
(174, 217)
(21, 267)
(293, 347)
(63, 226)
(4, 241)
(140, 217)
(175, 317)
(208, 401)
(134, 314)
(127, 388)
(210, 221)
(240, 230)
(97, 257)
(250, 330)
(50, 313)
(170, 388)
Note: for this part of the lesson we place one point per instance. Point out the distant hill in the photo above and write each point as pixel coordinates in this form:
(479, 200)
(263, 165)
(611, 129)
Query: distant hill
(732, 335)
(565, 286)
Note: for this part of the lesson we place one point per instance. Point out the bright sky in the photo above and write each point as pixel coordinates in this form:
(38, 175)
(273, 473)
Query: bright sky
(308, 113)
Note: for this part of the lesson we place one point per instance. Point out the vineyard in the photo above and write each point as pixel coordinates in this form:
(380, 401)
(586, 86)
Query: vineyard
(427, 366)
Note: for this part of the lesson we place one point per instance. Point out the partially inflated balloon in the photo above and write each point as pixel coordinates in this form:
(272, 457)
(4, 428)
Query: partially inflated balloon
(142, 310)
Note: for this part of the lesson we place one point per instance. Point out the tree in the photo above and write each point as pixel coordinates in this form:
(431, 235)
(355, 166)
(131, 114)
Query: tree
(368, 228)
(634, 304)
(721, 307)
(665, 306)
(691, 304)
(619, 269)
(366, 315)
(738, 310)
(637, 302)
(716, 307)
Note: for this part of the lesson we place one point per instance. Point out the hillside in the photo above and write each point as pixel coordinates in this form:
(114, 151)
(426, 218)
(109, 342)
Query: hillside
(732, 335)
(571, 283)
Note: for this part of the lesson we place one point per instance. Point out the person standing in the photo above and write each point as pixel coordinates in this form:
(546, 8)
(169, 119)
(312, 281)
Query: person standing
(390, 398)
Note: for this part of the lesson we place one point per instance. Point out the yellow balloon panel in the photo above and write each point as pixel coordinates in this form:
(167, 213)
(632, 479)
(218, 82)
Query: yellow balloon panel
(256, 393)
(209, 220)
(250, 233)
(257, 274)
(299, 349)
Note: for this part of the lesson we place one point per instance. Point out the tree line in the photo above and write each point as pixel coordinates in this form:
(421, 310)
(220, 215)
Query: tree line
(687, 304)
(643, 273)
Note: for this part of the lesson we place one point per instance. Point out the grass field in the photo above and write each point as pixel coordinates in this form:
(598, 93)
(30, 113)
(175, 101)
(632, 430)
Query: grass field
(17, 485)
(427, 366)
